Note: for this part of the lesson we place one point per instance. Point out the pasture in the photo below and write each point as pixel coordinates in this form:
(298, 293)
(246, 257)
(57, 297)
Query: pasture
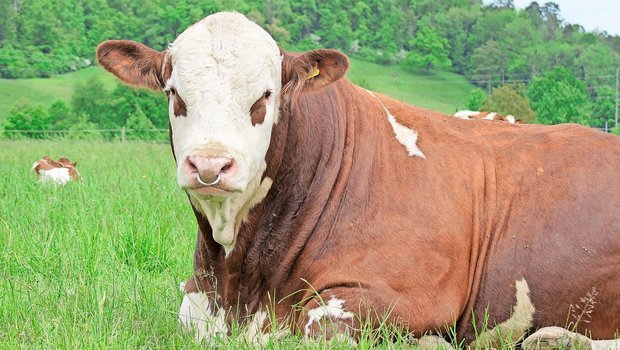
(97, 263)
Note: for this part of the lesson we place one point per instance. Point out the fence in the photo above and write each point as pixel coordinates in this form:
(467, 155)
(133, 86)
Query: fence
(109, 134)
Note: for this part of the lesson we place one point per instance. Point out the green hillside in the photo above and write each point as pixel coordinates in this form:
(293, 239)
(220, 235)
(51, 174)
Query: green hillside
(441, 91)
(46, 90)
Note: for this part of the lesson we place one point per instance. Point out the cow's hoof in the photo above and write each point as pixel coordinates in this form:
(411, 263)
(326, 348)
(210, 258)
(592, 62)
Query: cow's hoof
(549, 338)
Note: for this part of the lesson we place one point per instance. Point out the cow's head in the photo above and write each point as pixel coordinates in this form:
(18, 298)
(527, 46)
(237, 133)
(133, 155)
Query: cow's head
(224, 79)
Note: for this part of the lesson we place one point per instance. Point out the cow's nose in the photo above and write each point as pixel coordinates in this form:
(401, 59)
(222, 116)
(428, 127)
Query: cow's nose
(210, 168)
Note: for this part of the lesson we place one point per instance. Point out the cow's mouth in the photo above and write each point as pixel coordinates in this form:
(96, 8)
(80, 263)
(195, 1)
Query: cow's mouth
(210, 190)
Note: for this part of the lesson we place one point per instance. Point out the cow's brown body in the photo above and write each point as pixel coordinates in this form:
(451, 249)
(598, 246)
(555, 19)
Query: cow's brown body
(370, 205)
(351, 214)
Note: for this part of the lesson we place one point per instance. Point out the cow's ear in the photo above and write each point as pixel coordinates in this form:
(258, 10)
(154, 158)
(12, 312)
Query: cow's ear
(132, 62)
(311, 70)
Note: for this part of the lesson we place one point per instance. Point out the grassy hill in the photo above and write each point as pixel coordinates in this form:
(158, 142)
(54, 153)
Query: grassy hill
(46, 90)
(441, 91)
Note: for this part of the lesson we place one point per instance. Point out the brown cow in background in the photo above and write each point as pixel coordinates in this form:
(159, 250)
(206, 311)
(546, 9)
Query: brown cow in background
(58, 172)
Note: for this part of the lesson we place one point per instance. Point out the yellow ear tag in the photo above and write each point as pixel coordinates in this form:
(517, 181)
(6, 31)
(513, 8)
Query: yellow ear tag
(314, 73)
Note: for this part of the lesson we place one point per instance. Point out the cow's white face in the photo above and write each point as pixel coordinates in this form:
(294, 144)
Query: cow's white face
(226, 73)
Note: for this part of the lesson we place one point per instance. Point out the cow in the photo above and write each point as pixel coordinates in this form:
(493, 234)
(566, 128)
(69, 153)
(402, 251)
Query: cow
(58, 172)
(323, 207)
(469, 115)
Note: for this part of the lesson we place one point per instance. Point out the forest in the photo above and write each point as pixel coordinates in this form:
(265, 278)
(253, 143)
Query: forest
(512, 55)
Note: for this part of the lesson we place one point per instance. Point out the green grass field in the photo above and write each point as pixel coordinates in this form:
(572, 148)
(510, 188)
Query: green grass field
(97, 264)
(441, 91)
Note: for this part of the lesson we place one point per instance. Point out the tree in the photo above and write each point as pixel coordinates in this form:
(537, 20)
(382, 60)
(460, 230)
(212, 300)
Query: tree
(475, 99)
(604, 106)
(559, 97)
(489, 61)
(510, 99)
(91, 99)
(428, 50)
(60, 115)
(27, 118)
(141, 128)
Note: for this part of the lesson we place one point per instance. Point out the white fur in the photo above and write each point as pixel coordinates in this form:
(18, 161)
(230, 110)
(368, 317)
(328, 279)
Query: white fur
(466, 114)
(516, 326)
(406, 136)
(220, 67)
(59, 176)
(333, 309)
(196, 314)
(224, 215)
(490, 116)
(252, 332)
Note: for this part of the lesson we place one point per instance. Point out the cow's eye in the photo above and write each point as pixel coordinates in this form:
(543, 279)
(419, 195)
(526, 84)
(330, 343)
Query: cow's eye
(267, 94)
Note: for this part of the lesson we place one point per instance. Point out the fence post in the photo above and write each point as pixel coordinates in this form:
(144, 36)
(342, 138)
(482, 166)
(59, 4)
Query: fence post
(123, 134)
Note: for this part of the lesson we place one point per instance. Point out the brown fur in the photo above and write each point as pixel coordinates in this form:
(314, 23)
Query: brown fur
(432, 240)
(259, 109)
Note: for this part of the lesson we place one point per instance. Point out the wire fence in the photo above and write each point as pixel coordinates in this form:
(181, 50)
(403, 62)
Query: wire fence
(122, 134)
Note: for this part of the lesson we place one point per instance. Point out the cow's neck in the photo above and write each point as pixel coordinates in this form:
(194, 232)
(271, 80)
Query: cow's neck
(304, 160)
(225, 215)
(304, 169)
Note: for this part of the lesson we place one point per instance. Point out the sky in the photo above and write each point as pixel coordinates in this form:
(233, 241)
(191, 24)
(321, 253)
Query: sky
(602, 15)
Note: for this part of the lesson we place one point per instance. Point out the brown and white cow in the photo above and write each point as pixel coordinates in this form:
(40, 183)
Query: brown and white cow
(59, 172)
(319, 202)
(469, 115)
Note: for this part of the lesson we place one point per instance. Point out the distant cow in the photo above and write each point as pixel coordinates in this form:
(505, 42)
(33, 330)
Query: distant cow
(321, 205)
(487, 116)
(59, 172)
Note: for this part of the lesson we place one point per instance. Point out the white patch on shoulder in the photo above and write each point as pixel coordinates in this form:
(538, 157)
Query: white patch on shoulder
(406, 136)
(511, 119)
(513, 329)
(196, 314)
(59, 176)
(332, 310)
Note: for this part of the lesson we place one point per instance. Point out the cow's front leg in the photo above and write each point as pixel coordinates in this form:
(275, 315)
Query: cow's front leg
(199, 313)
(343, 314)
(329, 317)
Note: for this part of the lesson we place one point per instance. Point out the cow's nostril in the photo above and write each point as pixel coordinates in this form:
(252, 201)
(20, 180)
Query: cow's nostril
(226, 167)
(190, 166)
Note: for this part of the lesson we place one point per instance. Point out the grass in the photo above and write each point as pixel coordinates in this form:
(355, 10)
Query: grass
(441, 91)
